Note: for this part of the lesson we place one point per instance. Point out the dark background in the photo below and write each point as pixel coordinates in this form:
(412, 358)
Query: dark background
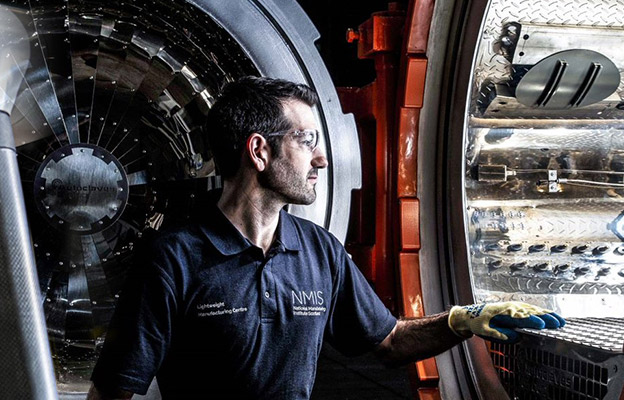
(332, 18)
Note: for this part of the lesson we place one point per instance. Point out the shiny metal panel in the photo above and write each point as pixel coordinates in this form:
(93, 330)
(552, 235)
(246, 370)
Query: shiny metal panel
(548, 369)
(583, 360)
(50, 24)
(505, 177)
(601, 333)
(25, 353)
(14, 51)
(543, 183)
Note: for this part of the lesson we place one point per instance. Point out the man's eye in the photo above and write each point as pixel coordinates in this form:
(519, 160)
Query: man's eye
(307, 138)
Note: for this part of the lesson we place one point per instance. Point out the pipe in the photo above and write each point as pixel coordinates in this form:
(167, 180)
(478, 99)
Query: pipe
(24, 352)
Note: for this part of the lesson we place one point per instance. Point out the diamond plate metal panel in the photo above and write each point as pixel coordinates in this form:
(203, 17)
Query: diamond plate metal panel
(492, 65)
(544, 187)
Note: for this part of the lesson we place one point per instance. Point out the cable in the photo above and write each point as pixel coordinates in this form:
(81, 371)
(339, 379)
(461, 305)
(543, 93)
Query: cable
(581, 182)
(566, 171)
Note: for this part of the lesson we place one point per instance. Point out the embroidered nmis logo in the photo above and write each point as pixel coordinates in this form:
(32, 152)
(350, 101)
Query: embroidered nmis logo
(308, 303)
(307, 298)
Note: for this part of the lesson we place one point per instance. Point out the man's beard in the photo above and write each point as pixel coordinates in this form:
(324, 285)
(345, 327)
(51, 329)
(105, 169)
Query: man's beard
(287, 185)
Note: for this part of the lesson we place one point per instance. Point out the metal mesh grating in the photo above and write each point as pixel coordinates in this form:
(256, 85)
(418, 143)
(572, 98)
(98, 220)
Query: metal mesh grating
(583, 361)
(602, 333)
(537, 374)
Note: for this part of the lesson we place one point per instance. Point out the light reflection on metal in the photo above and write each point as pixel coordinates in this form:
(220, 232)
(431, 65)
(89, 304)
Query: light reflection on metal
(81, 188)
(583, 361)
(135, 79)
(109, 114)
(544, 187)
(25, 352)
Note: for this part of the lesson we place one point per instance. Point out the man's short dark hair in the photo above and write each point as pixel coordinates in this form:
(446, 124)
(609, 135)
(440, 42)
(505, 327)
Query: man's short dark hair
(250, 105)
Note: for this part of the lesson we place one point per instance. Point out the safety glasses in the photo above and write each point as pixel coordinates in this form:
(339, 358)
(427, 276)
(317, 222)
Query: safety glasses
(307, 137)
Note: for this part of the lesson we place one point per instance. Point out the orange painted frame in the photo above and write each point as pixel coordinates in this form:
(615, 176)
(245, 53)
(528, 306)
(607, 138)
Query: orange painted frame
(410, 94)
(397, 42)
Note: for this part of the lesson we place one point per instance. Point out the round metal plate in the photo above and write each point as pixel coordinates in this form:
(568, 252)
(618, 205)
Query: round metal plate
(81, 188)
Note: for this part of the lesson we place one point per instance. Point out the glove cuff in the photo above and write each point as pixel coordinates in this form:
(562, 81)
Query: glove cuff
(457, 322)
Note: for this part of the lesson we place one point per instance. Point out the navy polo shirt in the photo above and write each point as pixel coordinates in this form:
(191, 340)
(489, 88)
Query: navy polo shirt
(213, 317)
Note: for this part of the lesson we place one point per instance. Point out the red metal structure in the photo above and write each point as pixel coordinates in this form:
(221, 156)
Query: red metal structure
(387, 112)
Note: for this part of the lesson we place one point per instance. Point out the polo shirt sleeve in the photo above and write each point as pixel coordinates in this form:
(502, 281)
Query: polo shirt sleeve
(359, 321)
(140, 332)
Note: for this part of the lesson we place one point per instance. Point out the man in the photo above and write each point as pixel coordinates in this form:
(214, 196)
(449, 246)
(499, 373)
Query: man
(238, 303)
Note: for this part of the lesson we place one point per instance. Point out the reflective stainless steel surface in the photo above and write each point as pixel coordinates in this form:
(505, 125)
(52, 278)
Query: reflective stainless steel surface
(28, 371)
(14, 54)
(110, 112)
(601, 333)
(108, 123)
(522, 200)
(581, 361)
(81, 188)
(544, 157)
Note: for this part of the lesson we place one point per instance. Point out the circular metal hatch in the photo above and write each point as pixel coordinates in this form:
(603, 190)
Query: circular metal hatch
(108, 131)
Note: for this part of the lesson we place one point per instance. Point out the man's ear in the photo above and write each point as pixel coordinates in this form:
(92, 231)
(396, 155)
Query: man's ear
(258, 151)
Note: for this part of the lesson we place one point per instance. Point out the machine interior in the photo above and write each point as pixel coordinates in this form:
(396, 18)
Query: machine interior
(544, 158)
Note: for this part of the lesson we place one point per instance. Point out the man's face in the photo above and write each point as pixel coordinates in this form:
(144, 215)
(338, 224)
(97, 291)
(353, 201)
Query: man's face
(292, 174)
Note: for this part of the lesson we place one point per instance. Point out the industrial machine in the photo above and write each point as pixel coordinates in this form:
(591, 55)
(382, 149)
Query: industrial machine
(107, 126)
(535, 92)
(487, 164)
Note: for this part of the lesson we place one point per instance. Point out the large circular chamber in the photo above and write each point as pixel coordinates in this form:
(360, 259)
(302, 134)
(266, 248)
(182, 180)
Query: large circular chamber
(526, 100)
(543, 159)
(107, 124)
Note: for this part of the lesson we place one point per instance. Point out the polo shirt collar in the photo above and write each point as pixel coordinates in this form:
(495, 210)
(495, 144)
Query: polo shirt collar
(229, 241)
(287, 234)
(223, 234)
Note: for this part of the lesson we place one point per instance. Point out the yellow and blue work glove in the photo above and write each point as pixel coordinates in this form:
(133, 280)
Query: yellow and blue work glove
(496, 321)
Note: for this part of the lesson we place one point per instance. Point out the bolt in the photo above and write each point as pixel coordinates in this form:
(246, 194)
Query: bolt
(352, 35)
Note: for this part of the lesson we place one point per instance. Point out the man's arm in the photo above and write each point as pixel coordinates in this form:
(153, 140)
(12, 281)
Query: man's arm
(96, 394)
(417, 339)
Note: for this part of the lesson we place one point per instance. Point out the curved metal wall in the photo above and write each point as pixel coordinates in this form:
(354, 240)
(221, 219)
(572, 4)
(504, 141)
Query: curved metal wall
(107, 126)
(523, 106)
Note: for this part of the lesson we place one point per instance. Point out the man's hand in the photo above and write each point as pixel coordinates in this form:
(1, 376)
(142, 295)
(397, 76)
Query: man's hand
(495, 321)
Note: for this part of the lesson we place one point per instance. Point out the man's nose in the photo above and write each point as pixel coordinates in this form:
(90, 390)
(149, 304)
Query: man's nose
(319, 160)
